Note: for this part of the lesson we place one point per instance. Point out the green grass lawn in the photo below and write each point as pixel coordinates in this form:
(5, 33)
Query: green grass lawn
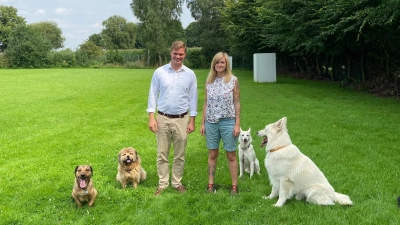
(52, 120)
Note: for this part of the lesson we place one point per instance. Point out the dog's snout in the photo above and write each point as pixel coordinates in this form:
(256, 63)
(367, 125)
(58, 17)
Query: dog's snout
(82, 175)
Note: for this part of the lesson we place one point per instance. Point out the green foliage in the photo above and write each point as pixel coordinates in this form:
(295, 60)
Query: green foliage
(3, 61)
(212, 37)
(27, 48)
(91, 50)
(9, 20)
(242, 23)
(63, 58)
(157, 27)
(195, 59)
(356, 39)
(88, 54)
(51, 32)
(118, 33)
(96, 39)
(132, 55)
(55, 119)
(114, 57)
(82, 59)
(192, 39)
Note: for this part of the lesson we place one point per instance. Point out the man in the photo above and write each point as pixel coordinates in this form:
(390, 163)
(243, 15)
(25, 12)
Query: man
(173, 93)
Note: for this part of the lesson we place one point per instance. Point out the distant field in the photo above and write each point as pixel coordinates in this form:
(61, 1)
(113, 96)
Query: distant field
(52, 120)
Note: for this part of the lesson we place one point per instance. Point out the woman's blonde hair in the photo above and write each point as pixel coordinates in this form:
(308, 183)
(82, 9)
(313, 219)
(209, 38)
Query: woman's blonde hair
(213, 73)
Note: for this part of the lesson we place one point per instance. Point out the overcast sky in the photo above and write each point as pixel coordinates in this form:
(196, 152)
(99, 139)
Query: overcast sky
(78, 19)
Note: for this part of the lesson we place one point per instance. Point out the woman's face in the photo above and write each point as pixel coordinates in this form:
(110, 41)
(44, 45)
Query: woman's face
(220, 66)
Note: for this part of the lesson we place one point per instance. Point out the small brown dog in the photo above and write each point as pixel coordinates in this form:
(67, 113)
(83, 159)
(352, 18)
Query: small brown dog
(129, 167)
(83, 190)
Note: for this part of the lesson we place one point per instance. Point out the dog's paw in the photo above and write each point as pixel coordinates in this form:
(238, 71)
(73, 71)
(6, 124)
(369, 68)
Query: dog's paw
(277, 205)
(265, 197)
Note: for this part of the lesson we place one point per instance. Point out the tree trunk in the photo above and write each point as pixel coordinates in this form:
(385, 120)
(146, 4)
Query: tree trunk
(348, 67)
(362, 68)
(148, 57)
(330, 68)
(317, 65)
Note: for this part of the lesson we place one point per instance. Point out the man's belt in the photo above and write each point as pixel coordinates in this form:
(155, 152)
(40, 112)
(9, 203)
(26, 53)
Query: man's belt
(173, 116)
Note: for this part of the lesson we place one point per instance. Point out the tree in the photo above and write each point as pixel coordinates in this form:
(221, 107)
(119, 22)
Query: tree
(96, 39)
(156, 18)
(240, 19)
(118, 33)
(9, 20)
(50, 31)
(27, 48)
(192, 38)
(212, 36)
(90, 49)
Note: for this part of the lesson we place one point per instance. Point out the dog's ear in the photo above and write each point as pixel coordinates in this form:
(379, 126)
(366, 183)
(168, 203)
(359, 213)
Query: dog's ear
(249, 130)
(76, 168)
(241, 130)
(282, 123)
(91, 170)
(279, 124)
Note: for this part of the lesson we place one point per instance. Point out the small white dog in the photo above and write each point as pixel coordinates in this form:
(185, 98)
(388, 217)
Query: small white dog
(292, 173)
(247, 156)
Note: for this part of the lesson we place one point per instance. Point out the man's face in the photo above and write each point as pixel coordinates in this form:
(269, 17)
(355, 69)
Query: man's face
(177, 56)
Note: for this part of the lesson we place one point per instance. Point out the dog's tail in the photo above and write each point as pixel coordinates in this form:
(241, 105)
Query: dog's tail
(342, 199)
(143, 174)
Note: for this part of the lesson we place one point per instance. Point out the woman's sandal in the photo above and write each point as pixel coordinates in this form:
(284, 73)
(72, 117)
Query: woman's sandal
(211, 188)
(234, 190)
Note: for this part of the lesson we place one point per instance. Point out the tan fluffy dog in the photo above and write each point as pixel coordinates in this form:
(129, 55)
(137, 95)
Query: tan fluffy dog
(129, 167)
(83, 190)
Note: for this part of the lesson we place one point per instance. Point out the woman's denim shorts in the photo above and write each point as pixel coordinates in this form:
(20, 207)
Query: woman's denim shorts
(223, 129)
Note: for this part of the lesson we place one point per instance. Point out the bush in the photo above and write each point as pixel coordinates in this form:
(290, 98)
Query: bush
(3, 61)
(63, 58)
(132, 55)
(28, 49)
(195, 59)
(114, 57)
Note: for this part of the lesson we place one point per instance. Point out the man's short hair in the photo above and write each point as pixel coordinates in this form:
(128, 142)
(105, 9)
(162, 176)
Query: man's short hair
(178, 45)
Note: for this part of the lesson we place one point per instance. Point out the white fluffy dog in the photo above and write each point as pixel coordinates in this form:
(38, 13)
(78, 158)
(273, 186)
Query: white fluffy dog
(292, 173)
(247, 157)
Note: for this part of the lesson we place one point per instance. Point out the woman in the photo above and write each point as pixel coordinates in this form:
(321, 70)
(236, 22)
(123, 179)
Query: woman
(221, 117)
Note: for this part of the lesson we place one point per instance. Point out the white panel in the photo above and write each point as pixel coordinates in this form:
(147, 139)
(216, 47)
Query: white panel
(264, 67)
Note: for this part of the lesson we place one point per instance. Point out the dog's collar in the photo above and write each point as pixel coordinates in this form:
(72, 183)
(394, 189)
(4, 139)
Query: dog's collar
(276, 149)
(246, 147)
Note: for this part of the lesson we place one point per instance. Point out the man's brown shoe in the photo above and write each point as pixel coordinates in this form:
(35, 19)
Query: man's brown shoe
(180, 189)
(158, 191)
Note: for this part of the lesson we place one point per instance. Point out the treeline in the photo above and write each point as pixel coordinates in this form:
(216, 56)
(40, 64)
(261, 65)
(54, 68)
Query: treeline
(120, 43)
(346, 41)
(351, 41)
